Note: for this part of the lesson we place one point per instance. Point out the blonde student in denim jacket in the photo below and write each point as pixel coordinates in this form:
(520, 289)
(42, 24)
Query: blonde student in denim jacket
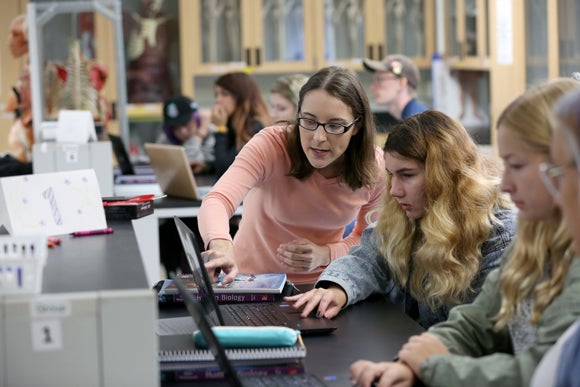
(525, 305)
(442, 227)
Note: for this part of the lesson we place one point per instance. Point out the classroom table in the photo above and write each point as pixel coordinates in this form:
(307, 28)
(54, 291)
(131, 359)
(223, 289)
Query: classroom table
(147, 228)
(95, 262)
(373, 329)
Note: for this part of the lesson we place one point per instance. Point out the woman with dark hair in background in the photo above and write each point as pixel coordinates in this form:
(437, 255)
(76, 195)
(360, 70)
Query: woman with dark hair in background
(239, 112)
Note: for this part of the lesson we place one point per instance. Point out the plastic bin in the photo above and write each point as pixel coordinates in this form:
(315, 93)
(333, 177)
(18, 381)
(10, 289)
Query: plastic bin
(22, 260)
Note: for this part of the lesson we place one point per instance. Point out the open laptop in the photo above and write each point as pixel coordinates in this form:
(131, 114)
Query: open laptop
(199, 316)
(245, 314)
(172, 170)
(129, 174)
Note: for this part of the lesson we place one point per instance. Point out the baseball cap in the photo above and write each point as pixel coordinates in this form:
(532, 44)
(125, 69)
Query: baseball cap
(400, 65)
(178, 111)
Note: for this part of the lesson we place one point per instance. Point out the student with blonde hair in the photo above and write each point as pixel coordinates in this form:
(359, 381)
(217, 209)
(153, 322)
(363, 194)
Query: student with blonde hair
(525, 305)
(559, 367)
(441, 230)
(284, 95)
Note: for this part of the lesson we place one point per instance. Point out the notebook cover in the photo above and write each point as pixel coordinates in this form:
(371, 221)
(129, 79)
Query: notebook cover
(269, 283)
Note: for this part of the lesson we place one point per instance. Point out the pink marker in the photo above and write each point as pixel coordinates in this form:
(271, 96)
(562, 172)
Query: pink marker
(107, 230)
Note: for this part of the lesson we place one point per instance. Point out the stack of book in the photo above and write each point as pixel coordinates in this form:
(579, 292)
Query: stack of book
(180, 365)
(245, 288)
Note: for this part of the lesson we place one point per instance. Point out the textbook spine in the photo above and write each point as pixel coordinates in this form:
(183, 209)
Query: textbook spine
(188, 375)
(225, 298)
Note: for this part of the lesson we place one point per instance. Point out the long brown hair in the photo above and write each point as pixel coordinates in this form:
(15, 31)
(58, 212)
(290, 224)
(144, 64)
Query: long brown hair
(360, 167)
(443, 248)
(250, 105)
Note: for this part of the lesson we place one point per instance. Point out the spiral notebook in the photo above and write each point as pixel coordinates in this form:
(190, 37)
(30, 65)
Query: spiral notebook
(223, 357)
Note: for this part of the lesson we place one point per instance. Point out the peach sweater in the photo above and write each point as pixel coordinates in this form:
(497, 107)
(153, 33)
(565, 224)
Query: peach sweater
(278, 208)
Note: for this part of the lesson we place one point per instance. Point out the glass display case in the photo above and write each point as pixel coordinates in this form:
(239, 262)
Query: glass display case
(568, 42)
(68, 73)
(536, 41)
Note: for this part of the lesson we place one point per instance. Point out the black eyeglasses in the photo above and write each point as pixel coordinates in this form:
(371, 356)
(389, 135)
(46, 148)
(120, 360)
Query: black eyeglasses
(329, 127)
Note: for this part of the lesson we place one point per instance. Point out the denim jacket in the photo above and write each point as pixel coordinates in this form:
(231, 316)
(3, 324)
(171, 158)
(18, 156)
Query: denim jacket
(364, 271)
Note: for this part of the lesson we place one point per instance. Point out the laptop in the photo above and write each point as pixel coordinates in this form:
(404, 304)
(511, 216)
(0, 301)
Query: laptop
(172, 170)
(128, 173)
(245, 314)
(199, 316)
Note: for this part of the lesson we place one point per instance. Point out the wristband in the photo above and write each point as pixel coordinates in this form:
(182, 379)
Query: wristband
(221, 129)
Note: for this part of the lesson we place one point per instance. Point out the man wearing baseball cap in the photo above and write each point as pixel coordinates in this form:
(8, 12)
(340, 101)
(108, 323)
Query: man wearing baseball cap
(395, 84)
(183, 125)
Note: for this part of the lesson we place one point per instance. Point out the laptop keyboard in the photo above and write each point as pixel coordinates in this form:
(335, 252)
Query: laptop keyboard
(258, 314)
(283, 380)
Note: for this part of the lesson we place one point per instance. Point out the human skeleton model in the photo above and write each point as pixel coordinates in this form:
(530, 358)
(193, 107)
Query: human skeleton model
(147, 51)
(227, 11)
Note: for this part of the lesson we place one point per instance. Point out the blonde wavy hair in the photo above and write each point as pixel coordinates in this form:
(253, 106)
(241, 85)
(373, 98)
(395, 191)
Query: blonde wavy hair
(542, 252)
(439, 255)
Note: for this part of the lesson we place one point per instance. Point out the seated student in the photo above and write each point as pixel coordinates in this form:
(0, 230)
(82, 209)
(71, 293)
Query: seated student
(239, 112)
(559, 367)
(183, 125)
(301, 184)
(284, 97)
(442, 229)
(527, 303)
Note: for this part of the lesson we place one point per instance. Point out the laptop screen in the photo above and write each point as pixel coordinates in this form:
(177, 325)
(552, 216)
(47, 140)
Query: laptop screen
(122, 156)
(199, 273)
(196, 311)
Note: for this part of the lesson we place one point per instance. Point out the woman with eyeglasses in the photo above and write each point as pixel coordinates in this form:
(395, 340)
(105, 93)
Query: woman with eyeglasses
(526, 304)
(443, 227)
(559, 367)
(300, 185)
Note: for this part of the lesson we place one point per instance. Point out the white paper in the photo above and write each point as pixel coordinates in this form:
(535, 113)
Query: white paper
(51, 203)
(75, 126)
(504, 32)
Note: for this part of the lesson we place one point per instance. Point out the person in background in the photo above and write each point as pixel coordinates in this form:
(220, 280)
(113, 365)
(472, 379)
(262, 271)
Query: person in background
(559, 367)
(284, 97)
(239, 112)
(526, 304)
(300, 184)
(394, 85)
(21, 136)
(183, 125)
(442, 228)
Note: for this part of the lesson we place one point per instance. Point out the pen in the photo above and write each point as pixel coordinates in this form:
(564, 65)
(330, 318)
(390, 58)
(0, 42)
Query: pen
(107, 230)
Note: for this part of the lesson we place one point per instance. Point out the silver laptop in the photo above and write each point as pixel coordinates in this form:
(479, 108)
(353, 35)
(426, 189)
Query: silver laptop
(245, 314)
(172, 170)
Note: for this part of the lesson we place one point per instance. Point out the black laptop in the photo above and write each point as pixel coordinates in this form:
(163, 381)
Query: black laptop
(245, 314)
(198, 313)
(127, 172)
